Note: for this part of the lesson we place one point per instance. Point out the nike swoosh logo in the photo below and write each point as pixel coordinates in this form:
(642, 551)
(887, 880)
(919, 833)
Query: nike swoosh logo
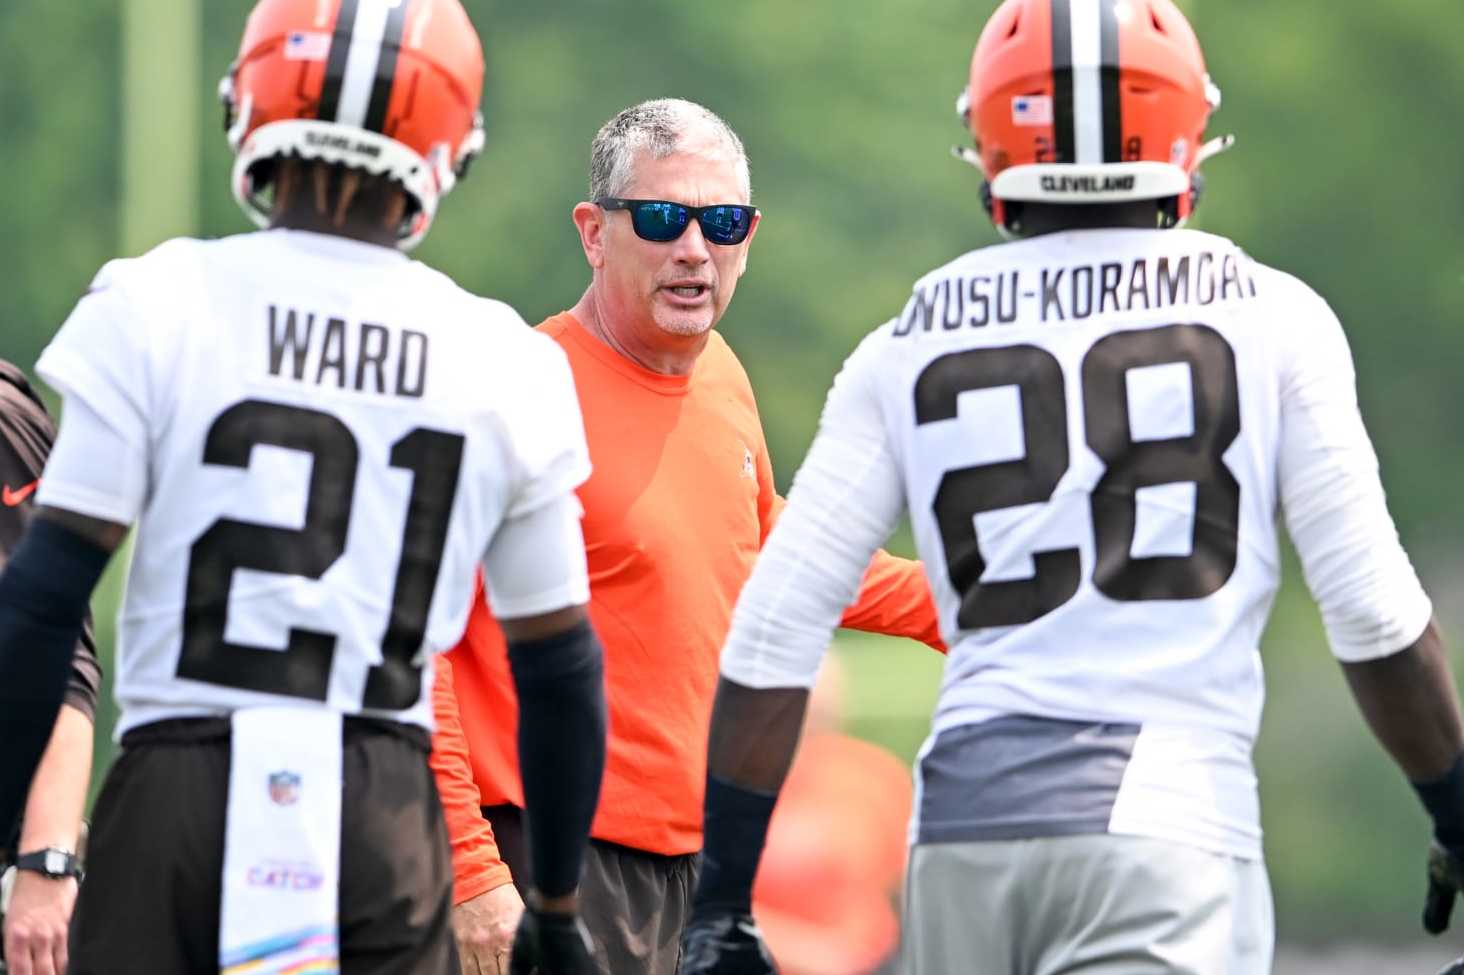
(15, 497)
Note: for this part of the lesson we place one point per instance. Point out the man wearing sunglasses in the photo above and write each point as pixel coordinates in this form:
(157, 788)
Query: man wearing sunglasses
(678, 506)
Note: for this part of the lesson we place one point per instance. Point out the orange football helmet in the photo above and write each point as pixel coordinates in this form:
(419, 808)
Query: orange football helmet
(390, 87)
(1089, 101)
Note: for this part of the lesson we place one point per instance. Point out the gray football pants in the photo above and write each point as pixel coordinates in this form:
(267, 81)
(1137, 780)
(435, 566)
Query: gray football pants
(1085, 905)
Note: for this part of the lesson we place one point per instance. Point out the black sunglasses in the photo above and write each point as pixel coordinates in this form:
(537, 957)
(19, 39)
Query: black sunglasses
(663, 221)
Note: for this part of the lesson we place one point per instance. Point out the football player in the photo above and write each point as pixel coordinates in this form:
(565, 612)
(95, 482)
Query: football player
(319, 440)
(1094, 428)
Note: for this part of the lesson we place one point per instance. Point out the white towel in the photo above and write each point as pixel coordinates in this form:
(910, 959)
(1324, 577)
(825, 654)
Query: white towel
(282, 844)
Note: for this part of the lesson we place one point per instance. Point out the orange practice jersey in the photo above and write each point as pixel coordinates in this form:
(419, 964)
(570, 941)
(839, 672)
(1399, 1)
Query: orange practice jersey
(680, 502)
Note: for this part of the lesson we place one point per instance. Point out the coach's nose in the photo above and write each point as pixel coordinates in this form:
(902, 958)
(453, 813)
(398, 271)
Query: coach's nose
(691, 248)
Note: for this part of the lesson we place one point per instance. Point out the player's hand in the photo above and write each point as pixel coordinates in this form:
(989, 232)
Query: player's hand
(1457, 968)
(552, 944)
(484, 928)
(36, 923)
(1445, 880)
(726, 944)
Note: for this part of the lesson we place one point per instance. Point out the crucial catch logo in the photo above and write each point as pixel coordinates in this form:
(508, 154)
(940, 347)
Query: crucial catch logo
(1087, 184)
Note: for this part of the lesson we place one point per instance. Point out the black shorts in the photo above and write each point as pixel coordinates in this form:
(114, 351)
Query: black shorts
(150, 901)
(634, 903)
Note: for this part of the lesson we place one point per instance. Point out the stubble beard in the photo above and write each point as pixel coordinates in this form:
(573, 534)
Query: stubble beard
(684, 326)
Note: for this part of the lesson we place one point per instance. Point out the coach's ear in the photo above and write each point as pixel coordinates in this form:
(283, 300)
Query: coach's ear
(747, 243)
(589, 220)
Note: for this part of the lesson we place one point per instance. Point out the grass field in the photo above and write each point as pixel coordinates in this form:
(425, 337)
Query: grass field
(891, 689)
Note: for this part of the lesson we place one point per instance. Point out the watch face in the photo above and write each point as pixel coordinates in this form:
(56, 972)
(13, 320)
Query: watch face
(55, 862)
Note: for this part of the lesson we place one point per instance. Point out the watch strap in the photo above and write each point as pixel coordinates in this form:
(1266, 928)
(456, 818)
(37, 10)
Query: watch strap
(51, 861)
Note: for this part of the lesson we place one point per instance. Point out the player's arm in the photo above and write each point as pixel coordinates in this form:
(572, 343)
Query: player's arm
(894, 596)
(44, 595)
(1411, 704)
(1377, 616)
(94, 485)
(846, 499)
(538, 585)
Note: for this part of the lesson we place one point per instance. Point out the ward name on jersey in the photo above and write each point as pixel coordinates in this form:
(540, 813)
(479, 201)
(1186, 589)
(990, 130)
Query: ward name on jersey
(1078, 292)
(318, 439)
(1094, 484)
(363, 356)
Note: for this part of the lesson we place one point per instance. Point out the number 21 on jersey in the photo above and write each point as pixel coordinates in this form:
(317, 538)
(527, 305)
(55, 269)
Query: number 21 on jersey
(303, 670)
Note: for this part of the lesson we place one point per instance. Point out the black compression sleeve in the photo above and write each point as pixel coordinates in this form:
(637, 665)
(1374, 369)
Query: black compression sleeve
(1444, 800)
(43, 598)
(561, 740)
(736, 829)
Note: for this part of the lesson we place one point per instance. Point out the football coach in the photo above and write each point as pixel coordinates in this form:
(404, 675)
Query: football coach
(676, 510)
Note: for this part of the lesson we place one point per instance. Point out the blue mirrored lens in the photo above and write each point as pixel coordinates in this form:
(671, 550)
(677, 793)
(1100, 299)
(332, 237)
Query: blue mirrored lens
(725, 224)
(660, 221)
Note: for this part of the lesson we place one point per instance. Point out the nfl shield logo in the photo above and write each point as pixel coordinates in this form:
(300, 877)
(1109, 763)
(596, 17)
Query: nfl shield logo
(284, 788)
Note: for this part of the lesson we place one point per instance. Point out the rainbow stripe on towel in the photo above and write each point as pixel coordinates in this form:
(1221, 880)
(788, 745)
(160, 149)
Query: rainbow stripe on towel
(312, 951)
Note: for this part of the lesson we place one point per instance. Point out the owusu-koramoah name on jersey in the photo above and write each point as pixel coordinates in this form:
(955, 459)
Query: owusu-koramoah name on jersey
(325, 350)
(1076, 293)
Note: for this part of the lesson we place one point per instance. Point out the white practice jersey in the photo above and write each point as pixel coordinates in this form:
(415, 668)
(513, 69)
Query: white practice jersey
(1094, 433)
(318, 440)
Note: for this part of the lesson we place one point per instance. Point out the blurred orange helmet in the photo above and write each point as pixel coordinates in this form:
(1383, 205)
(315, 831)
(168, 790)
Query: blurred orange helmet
(1089, 101)
(390, 87)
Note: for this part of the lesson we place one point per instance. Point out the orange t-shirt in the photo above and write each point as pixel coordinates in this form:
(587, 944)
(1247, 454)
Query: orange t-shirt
(680, 502)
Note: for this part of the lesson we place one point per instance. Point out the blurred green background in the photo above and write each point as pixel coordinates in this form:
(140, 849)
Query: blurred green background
(1346, 174)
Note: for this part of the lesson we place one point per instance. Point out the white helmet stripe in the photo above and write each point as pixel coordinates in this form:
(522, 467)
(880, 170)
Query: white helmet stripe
(359, 78)
(1085, 18)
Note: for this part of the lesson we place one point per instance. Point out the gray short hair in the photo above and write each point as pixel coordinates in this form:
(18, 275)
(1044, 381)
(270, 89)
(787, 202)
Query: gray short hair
(661, 127)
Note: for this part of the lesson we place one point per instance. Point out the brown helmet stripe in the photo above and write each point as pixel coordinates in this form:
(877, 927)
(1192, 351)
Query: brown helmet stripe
(1064, 137)
(1108, 80)
(335, 64)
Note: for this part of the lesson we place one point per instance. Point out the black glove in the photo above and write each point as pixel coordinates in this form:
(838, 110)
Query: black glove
(1444, 800)
(1445, 880)
(724, 944)
(551, 944)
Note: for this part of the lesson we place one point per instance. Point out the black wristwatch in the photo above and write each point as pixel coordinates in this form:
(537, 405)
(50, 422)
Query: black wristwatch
(50, 862)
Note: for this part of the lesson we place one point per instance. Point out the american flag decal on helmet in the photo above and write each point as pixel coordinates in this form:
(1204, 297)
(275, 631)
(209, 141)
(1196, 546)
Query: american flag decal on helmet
(1033, 110)
(307, 45)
